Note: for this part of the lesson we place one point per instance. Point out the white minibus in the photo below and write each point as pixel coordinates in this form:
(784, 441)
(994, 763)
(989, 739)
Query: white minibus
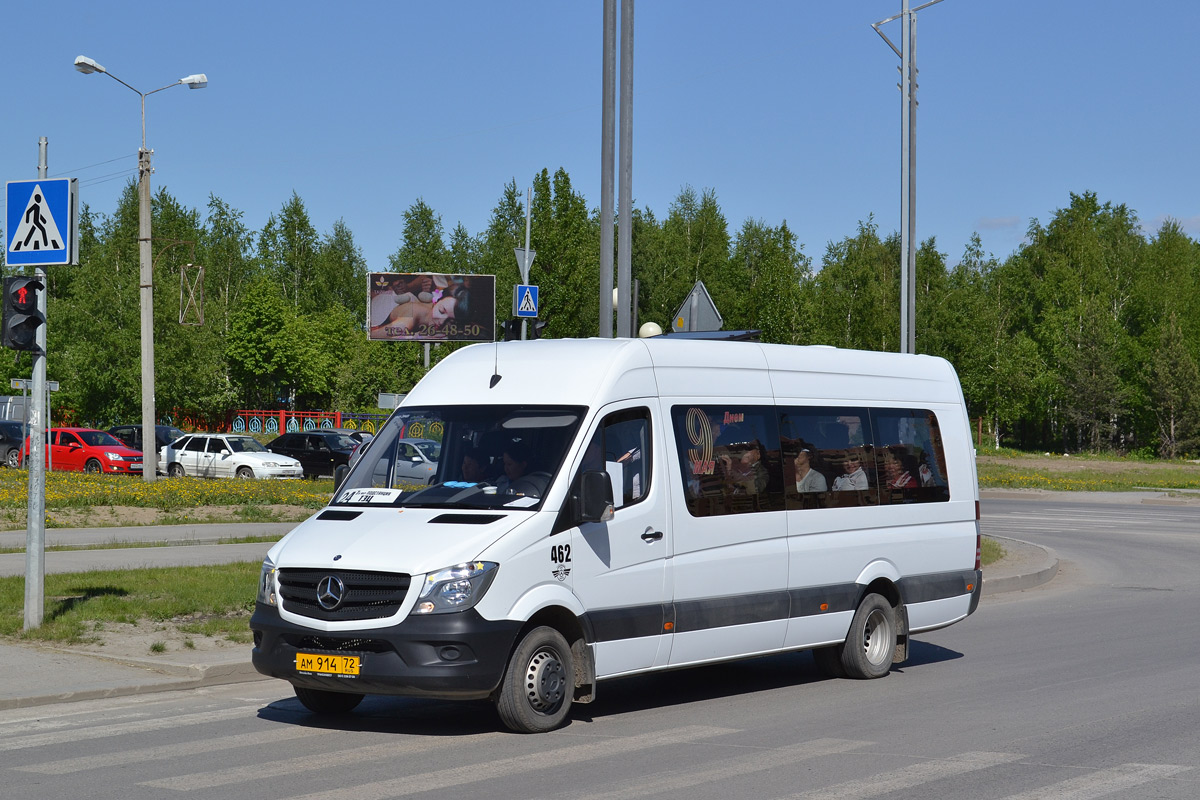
(607, 507)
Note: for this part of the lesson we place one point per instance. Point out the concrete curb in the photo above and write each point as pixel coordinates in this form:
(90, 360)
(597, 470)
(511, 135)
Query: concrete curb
(159, 678)
(1038, 565)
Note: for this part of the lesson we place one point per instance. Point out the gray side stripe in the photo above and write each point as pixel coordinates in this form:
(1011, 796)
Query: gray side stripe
(632, 622)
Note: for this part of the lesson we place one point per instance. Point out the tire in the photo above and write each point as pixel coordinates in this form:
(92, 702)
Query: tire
(871, 642)
(245, 473)
(92, 467)
(13, 458)
(176, 470)
(320, 701)
(539, 683)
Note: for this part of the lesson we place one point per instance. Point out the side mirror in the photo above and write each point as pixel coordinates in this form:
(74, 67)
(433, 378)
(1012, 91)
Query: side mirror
(224, 452)
(595, 497)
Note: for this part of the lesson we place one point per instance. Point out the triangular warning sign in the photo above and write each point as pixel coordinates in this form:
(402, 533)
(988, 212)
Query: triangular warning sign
(37, 229)
(527, 304)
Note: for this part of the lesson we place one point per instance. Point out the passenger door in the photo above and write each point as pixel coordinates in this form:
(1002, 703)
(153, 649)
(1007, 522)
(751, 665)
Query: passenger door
(222, 463)
(619, 568)
(68, 452)
(191, 456)
(729, 567)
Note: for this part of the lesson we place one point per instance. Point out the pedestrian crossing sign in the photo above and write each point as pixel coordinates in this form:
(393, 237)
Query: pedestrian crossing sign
(42, 223)
(525, 301)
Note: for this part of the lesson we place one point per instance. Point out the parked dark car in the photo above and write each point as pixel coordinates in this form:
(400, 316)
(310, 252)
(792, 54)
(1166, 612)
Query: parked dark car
(131, 435)
(320, 452)
(12, 435)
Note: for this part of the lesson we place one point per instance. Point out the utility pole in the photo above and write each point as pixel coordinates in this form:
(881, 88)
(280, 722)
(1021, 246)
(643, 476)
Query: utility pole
(908, 167)
(625, 177)
(607, 112)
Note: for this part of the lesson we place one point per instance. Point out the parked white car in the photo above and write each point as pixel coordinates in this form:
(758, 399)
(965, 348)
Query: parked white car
(220, 455)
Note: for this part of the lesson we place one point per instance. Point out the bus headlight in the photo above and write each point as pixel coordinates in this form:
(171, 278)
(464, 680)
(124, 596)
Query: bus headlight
(455, 588)
(266, 583)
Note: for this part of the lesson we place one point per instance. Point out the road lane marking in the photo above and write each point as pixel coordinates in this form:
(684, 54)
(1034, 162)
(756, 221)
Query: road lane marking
(730, 768)
(443, 780)
(104, 730)
(306, 763)
(1102, 783)
(167, 751)
(908, 777)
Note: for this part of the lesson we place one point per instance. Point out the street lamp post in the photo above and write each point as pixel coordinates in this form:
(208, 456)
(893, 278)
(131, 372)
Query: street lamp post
(146, 266)
(908, 168)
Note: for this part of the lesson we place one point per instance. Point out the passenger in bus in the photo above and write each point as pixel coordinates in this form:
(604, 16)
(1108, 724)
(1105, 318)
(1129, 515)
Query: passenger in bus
(898, 467)
(854, 478)
(807, 478)
(472, 467)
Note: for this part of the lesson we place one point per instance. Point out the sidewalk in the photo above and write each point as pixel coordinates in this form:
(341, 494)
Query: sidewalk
(36, 675)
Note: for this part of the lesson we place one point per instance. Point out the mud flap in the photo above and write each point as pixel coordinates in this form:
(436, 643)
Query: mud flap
(901, 653)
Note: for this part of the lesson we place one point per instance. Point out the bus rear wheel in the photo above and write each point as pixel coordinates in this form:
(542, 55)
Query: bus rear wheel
(869, 646)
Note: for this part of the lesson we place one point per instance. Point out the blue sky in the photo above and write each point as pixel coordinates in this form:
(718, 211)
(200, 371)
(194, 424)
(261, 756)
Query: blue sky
(788, 110)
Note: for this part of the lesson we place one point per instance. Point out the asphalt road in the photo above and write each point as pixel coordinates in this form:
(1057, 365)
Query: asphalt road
(1083, 688)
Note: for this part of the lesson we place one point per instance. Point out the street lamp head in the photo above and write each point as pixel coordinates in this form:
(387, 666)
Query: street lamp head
(195, 81)
(87, 66)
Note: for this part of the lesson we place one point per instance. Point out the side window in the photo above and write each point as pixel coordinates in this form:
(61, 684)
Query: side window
(909, 457)
(317, 443)
(730, 459)
(621, 447)
(66, 439)
(827, 457)
(195, 444)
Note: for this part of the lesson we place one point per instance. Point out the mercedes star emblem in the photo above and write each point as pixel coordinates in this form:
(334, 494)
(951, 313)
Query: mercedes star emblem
(330, 592)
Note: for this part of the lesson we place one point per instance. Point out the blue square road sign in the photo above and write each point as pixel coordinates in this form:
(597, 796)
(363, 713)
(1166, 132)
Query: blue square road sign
(42, 222)
(525, 301)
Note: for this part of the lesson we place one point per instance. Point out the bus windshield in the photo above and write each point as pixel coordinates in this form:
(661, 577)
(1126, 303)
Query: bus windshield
(463, 457)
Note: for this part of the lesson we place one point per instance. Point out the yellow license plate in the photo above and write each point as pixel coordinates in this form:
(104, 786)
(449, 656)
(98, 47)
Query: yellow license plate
(328, 665)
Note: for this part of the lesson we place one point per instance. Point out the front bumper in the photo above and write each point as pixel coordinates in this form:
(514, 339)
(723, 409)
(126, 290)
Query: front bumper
(296, 472)
(458, 656)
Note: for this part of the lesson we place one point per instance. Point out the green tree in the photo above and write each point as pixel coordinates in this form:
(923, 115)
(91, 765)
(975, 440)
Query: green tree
(773, 273)
(856, 295)
(1174, 380)
(287, 250)
(423, 248)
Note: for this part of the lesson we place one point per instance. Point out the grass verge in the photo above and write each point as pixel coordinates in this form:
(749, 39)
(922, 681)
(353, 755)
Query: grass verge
(207, 600)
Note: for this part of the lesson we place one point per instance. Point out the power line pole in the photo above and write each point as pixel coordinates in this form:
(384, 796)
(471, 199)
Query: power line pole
(607, 148)
(908, 167)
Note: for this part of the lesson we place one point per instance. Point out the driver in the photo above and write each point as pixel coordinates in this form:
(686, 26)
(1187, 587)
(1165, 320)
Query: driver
(517, 480)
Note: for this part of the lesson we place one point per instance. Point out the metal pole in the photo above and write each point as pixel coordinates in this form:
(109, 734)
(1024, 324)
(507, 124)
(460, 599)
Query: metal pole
(911, 253)
(525, 261)
(35, 516)
(905, 170)
(625, 178)
(607, 131)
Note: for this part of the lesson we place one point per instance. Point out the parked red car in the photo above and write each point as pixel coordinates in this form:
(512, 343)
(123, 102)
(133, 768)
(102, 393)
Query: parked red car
(88, 450)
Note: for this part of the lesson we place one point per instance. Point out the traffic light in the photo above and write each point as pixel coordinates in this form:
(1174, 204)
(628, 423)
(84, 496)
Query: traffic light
(512, 330)
(21, 316)
(536, 328)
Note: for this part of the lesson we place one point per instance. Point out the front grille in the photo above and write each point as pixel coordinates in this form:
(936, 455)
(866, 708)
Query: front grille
(329, 643)
(368, 595)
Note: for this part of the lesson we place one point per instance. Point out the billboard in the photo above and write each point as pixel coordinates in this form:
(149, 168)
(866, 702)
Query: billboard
(430, 307)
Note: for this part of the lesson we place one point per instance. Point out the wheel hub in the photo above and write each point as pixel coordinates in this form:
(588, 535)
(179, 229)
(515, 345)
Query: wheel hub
(545, 681)
(875, 638)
